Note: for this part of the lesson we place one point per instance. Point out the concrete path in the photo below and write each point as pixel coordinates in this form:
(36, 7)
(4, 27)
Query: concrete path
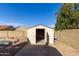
(38, 50)
(65, 49)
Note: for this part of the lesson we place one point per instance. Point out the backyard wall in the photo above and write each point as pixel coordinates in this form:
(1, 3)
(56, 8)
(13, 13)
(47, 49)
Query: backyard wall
(21, 35)
(70, 37)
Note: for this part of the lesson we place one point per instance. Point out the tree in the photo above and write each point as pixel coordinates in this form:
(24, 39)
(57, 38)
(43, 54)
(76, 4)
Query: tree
(68, 16)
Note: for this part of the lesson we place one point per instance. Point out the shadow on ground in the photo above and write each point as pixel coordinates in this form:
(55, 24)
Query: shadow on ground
(11, 50)
(38, 50)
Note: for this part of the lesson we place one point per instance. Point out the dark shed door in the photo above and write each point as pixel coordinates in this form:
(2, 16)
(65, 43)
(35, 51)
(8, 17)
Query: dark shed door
(40, 34)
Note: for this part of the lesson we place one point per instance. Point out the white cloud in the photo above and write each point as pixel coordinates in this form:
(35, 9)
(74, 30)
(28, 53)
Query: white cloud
(10, 23)
(52, 26)
(15, 24)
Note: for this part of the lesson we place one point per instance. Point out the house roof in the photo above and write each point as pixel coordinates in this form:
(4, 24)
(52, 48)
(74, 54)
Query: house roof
(40, 25)
(6, 27)
(21, 28)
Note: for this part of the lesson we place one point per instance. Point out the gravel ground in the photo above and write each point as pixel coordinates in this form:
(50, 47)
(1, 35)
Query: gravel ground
(11, 50)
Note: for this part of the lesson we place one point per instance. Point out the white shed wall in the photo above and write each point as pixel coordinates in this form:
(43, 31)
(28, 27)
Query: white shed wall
(51, 35)
(31, 35)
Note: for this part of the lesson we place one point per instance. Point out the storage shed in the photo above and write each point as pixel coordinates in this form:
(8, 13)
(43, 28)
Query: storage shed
(40, 34)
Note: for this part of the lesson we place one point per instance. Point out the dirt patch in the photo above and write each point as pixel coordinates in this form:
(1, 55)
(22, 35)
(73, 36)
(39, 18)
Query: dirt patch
(65, 49)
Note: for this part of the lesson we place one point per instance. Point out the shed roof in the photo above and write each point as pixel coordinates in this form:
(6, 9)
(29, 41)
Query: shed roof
(40, 25)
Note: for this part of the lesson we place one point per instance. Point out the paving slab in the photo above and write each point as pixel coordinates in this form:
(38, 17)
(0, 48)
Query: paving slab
(38, 50)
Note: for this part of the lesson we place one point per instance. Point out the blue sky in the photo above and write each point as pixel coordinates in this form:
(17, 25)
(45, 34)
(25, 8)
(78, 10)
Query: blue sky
(28, 14)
